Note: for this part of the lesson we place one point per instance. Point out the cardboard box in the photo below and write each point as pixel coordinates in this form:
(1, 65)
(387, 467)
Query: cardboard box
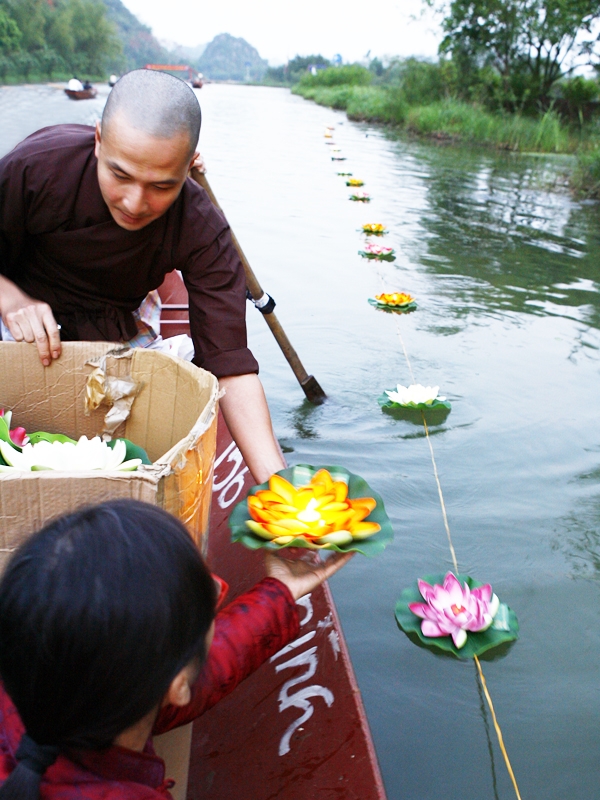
(164, 404)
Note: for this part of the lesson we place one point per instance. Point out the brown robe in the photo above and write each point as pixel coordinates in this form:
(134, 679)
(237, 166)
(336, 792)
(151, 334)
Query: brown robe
(59, 243)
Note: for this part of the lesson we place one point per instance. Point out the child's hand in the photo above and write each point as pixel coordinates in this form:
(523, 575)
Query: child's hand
(302, 577)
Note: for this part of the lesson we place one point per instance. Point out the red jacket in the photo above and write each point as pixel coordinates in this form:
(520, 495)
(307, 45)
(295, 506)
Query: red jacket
(248, 632)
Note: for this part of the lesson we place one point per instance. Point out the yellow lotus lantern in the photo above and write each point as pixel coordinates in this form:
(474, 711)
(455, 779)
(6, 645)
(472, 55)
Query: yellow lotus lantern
(394, 298)
(319, 512)
(374, 229)
(318, 515)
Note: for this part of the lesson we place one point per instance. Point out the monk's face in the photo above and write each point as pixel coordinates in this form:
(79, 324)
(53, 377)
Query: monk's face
(140, 176)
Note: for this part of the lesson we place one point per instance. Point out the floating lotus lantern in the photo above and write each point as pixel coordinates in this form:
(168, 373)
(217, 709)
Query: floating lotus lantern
(85, 455)
(373, 228)
(377, 252)
(459, 615)
(355, 182)
(319, 508)
(414, 396)
(399, 301)
(360, 197)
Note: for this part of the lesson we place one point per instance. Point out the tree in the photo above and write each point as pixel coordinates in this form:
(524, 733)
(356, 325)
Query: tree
(94, 36)
(528, 44)
(10, 35)
(30, 16)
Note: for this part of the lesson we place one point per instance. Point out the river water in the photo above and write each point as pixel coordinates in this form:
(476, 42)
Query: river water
(507, 278)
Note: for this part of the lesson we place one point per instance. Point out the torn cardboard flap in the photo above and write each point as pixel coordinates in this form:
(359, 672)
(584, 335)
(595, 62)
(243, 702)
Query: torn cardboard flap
(117, 393)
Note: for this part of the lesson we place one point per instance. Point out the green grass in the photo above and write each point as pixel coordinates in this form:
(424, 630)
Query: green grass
(371, 103)
(38, 77)
(471, 123)
(450, 119)
(586, 178)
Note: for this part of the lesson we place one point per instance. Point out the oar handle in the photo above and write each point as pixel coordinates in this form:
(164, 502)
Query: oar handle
(309, 384)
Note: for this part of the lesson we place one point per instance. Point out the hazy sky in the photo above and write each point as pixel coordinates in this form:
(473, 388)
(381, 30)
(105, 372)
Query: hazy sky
(280, 30)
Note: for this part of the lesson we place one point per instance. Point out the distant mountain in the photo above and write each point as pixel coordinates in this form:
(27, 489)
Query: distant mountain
(191, 54)
(140, 47)
(225, 58)
(228, 58)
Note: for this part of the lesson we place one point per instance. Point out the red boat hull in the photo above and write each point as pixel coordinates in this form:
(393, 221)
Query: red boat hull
(296, 729)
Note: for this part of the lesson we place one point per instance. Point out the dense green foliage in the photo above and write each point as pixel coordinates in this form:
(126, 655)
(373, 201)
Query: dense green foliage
(347, 75)
(290, 73)
(40, 39)
(511, 53)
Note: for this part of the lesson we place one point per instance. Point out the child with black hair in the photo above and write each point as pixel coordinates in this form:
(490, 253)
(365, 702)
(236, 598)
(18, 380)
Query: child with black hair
(108, 636)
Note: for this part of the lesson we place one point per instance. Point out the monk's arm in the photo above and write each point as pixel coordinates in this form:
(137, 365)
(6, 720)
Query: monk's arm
(29, 320)
(246, 413)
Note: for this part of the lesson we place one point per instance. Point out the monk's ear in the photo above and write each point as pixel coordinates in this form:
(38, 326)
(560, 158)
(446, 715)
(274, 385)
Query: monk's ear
(98, 138)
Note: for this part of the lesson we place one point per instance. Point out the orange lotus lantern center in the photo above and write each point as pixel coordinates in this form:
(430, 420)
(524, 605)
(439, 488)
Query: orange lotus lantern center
(310, 513)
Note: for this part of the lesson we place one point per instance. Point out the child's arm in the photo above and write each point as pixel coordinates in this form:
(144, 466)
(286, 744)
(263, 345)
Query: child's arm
(248, 631)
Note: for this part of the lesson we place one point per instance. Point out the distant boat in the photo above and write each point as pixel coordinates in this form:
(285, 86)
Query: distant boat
(82, 94)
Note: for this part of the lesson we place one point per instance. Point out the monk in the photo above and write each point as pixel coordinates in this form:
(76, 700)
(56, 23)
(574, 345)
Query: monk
(91, 221)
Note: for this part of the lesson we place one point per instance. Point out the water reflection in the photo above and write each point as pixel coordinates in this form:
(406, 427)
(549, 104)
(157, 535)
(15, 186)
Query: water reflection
(579, 532)
(304, 420)
(522, 249)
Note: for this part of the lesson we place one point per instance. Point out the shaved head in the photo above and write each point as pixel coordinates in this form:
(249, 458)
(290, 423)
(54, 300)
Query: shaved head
(156, 104)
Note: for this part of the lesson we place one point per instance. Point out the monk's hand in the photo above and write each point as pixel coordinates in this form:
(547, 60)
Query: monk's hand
(29, 320)
(303, 575)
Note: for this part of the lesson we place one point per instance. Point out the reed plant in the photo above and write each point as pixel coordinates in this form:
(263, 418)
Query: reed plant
(586, 177)
(471, 123)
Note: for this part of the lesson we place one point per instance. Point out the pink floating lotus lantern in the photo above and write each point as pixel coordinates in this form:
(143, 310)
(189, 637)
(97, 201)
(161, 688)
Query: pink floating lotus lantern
(377, 252)
(453, 609)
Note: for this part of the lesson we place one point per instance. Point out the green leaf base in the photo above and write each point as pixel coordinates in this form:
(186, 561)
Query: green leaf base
(403, 309)
(435, 414)
(376, 257)
(504, 629)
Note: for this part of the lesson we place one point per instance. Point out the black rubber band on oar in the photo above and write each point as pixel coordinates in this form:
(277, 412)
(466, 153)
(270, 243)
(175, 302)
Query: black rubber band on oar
(264, 304)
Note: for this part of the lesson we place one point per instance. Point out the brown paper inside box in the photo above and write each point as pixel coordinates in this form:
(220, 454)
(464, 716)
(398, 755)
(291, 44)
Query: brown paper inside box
(164, 404)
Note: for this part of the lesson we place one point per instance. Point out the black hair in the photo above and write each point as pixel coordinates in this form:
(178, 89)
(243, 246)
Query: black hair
(99, 611)
(156, 103)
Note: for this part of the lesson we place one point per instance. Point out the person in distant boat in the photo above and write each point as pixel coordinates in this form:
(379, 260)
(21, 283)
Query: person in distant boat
(91, 221)
(75, 85)
(87, 85)
(112, 80)
(99, 654)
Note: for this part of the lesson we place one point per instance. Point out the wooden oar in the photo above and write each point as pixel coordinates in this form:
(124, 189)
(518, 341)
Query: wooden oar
(309, 384)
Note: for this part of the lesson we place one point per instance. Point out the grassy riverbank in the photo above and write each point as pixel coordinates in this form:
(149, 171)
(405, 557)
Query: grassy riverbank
(451, 119)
